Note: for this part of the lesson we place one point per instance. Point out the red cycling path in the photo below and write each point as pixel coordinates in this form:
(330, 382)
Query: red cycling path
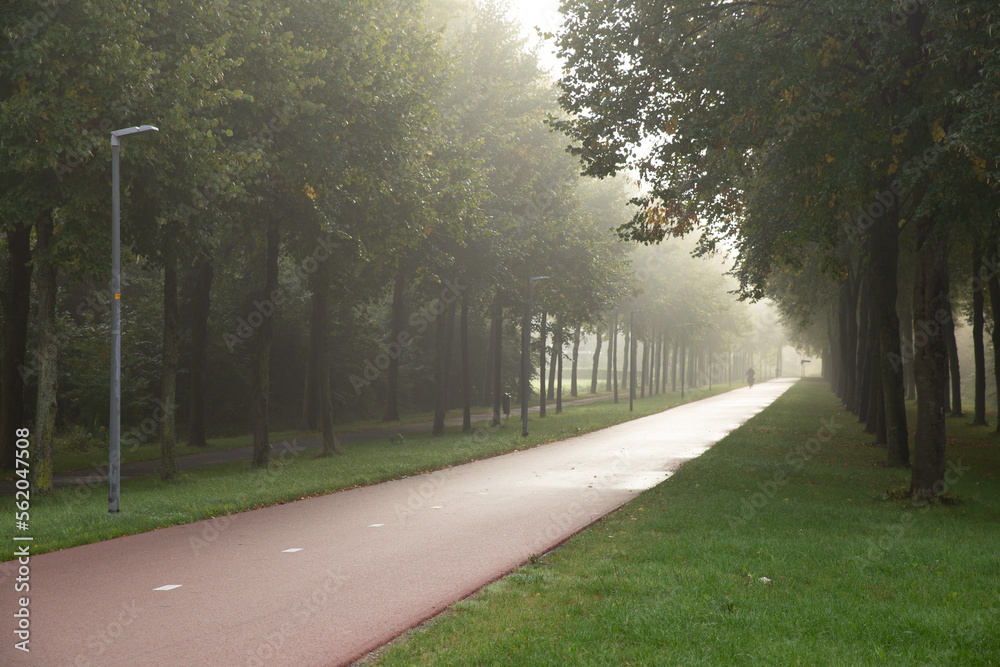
(325, 580)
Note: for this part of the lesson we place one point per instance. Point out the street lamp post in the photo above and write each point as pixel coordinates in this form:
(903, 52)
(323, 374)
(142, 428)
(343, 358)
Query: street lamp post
(526, 341)
(631, 358)
(114, 428)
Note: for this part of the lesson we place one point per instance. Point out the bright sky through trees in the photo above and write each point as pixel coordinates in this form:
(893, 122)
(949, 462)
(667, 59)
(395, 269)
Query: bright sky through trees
(543, 15)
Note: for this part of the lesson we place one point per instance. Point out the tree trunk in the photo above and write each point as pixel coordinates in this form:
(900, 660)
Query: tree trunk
(994, 285)
(683, 361)
(488, 370)
(848, 339)
(874, 380)
(665, 361)
(654, 385)
(168, 363)
(905, 301)
(930, 364)
(46, 285)
(466, 382)
(553, 365)
(497, 328)
(559, 363)
(628, 359)
(395, 329)
(576, 360)
(691, 361)
(595, 367)
(954, 373)
(612, 341)
(881, 430)
(311, 395)
(906, 334)
(541, 369)
(331, 444)
(17, 310)
(947, 384)
(885, 256)
(864, 362)
(673, 364)
(441, 352)
(831, 363)
(645, 366)
(201, 302)
(320, 336)
(978, 323)
(613, 357)
(261, 370)
(449, 355)
(632, 354)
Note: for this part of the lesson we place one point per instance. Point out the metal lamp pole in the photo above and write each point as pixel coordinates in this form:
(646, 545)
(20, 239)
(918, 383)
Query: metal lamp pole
(526, 342)
(114, 429)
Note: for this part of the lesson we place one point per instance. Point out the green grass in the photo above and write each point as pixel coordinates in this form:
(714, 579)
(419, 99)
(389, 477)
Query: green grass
(66, 461)
(77, 453)
(74, 516)
(857, 575)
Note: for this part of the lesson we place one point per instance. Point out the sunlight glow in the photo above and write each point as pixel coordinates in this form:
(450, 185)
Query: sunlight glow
(535, 15)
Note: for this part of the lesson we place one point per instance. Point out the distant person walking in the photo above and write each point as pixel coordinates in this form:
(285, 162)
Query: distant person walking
(750, 375)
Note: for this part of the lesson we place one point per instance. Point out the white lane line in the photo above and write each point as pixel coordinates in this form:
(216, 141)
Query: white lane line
(437, 507)
(168, 587)
(290, 551)
(376, 525)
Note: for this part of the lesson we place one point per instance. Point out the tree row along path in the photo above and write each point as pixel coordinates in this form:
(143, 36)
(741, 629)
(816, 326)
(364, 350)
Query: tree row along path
(325, 580)
(135, 469)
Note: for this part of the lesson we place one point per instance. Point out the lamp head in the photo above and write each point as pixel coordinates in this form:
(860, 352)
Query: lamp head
(124, 132)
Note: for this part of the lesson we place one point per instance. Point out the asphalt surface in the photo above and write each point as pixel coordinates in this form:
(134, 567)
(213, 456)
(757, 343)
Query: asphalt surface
(325, 580)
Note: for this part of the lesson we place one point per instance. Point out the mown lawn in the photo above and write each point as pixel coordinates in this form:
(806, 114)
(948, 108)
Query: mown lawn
(84, 450)
(787, 543)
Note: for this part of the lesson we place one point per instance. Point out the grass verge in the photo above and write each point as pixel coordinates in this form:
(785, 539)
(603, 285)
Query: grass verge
(786, 543)
(66, 461)
(78, 515)
(71, 455)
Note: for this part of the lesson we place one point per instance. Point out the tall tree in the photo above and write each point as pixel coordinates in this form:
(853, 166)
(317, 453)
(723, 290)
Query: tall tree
(930, 364)
(978, 323)
(48, 353)
(168, 362)
(576, 359)
(541, 369)
(595, 364)
(396, 322)
(739, 143)
(201, 298)
(17, 307)
(261, 365)
(993, 284)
